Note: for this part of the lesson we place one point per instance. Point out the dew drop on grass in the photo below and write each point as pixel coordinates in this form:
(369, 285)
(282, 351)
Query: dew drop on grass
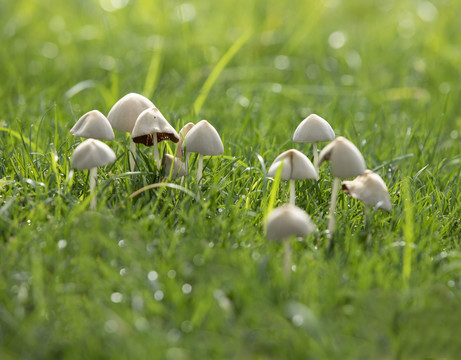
(62, 244)
(198, 260)
(173, 335)
(297, 320)
(122, 243)
(158, 295)
(337, 40)
(141, 324)
(282, 62)
(211, 244)
(276, 88)
(152, 275)
(122, 271)
(293, 268)
(451, 283)
(186, 326)
(171, 274)
(116, 297)
(186, 288)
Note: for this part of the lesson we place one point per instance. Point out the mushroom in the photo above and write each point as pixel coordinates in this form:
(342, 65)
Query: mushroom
(94, 125)
(346, 161)
(89, 155)
(123, 116)
(287, 221)
(173, 166)
(151, 128)
(314, 129)
(296, 166)
(204, 140)
(370, 189)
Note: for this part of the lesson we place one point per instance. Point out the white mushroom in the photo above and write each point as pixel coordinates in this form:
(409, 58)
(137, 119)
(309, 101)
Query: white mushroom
(89, 155)
(346, 161)
(296, 166)
(287, 221)
(314, 129)
(123, 116)
(204, 140)
(94, 125)
(173, 166)
(151, 128)
(370, 189)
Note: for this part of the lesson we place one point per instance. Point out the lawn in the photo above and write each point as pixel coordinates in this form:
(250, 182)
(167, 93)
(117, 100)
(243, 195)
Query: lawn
(167, 275)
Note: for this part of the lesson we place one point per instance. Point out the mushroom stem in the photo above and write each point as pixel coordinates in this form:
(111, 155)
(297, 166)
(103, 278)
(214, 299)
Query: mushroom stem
(292, 191)
(334, 197)
(200, 167)
(93, 179)
(187, 162)
(287, 258)
(156, 156)
(132, 154)
(316, 158)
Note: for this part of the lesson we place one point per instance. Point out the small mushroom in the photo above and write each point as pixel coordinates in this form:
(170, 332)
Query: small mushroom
(296, 166)
(287, 221)
(370, 189)
(123, 116)
(314, 129)
(89, 155)
(94, 125)
(151, 128)
(346, 161)
(173, 166)
(204, 140)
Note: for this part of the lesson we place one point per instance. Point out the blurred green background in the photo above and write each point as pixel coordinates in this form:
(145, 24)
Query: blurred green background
(385, 74)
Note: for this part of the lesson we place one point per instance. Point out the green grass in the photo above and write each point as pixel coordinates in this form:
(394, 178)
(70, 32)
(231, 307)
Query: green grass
(162, 275)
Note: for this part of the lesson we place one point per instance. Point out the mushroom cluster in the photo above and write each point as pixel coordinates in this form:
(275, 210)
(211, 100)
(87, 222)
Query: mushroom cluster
(346, 162)
(138, 116)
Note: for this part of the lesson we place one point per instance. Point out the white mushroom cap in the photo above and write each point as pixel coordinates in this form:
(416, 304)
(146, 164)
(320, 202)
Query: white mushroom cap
(288, 220)
(93, 125)
(179, 169)
(313, 129)
(204, 139)
(124, 113)
(370, 189)
(296, 166)
(150, 122)
(346, 160)
(92, 153)
(182, 134)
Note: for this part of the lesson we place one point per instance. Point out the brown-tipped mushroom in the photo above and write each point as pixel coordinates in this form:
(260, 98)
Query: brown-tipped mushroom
(151, 128)
(346, 161)
(204, 140)
(314, 129)
(287, 221)
(296, 166)
(123, 116)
